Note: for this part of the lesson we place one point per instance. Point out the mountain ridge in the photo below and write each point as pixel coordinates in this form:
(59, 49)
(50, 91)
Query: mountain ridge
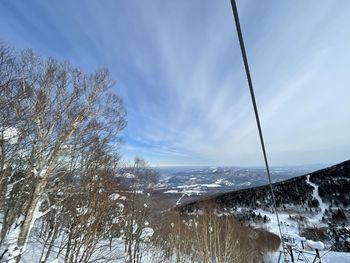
(314, 205)
(342, 168)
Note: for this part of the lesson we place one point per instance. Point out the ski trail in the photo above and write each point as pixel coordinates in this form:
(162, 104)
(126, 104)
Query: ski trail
(315, 194)
(178, 202)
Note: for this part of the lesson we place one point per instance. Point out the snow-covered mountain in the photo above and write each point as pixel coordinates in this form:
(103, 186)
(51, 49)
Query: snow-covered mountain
(315, 205)
(179, 185)
(222, 179)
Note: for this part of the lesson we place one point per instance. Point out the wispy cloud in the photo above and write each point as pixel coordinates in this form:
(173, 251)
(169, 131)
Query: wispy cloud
(177, 65)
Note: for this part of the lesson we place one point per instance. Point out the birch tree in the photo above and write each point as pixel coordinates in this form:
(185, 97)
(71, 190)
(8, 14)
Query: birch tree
(53, 107)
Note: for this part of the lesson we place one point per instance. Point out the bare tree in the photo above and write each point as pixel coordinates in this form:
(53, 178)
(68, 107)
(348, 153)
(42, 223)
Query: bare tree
(52, 108)
(137, 210)
(209, 235)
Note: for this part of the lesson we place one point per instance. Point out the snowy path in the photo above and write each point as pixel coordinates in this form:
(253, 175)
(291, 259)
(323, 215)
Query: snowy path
(178, 202)
(315, 194)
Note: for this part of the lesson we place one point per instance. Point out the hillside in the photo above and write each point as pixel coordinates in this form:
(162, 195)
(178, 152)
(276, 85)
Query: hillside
(317, 204)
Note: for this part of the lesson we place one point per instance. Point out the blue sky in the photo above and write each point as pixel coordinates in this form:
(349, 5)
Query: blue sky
(178, 68)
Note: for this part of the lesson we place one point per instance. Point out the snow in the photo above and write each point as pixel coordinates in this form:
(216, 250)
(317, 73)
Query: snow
(198, 186)
(211, 185)
(10, 134)
(187, 186)
(178, 202)
(316, 195)
(297, 238)
(288, 226)
(244, 184)
(129, 175)
(10, 240)
(151, 254)
(42, 172)
(223, 181)
(171, 192)
(120, 206)
(147, 233)
(33, 252)
(315, 244)
(114, 196)
(81, 210)
(193, 189)
(187, 192)
(326, 257)
(290, 230)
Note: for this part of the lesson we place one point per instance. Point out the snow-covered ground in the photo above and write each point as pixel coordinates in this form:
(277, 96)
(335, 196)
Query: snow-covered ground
(326, 257)
(289, 227)
(33, 251)
(288, 223)
(117, 254)
(150, 255)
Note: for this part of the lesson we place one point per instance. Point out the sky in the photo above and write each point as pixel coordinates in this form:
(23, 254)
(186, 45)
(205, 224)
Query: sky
(177, 65)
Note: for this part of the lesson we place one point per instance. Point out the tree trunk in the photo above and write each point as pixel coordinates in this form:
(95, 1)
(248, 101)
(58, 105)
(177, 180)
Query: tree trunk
(29, 219)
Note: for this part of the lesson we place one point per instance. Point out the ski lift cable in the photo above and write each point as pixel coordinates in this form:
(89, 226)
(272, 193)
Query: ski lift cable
(251, 89)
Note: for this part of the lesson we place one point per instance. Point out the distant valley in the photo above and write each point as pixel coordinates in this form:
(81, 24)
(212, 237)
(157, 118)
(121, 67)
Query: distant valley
(180, 185)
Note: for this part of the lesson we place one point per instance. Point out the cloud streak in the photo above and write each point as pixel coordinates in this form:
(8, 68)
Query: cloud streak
(178, 67)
